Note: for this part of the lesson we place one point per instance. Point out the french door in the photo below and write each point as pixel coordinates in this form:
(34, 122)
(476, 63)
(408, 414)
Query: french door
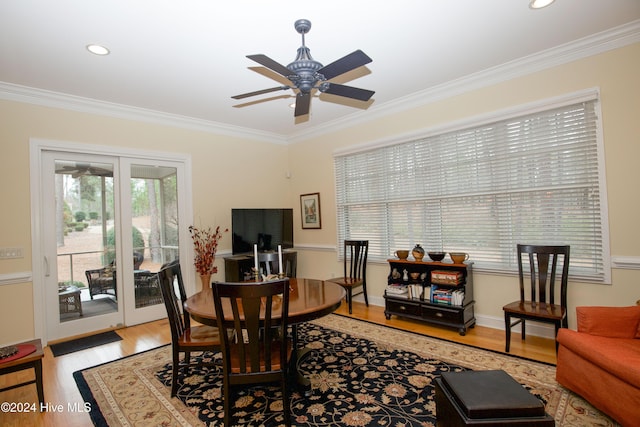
(108, 223)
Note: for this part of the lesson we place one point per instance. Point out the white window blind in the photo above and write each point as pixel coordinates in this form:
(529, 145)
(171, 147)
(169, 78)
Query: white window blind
(532, 179)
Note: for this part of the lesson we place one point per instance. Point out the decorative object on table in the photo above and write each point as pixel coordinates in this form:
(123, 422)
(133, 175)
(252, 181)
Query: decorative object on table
(436, 256)
(415, 275)
(447, 277)
(205, 245)
(458, 257)
(8, 351)
(418, 252)
(310, 210)
(405, 276)
(305, 74)
(401, 254)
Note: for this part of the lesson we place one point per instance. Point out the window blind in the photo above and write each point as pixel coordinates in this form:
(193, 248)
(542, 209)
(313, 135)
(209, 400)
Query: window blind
(531, 179)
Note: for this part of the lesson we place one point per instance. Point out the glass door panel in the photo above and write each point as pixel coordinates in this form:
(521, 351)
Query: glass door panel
(81, 286)
(154, 225)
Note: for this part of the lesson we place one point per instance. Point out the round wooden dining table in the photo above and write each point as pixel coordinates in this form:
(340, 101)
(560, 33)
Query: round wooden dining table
(308, 299)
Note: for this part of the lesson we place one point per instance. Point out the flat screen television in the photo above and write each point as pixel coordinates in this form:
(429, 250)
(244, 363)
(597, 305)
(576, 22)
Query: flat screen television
(267, 228)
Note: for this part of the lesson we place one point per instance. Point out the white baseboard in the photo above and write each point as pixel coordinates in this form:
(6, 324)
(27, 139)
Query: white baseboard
(533, 328)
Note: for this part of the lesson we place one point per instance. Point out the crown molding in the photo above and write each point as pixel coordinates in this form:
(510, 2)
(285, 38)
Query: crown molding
(46, 98)
(598, 43)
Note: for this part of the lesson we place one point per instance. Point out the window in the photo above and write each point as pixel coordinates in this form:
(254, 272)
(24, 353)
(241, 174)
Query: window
(533, 178)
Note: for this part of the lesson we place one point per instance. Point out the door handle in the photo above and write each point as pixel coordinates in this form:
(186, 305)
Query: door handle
(47, 273)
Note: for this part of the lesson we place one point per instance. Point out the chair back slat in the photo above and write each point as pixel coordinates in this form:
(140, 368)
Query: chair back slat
(171, 302)
(543, 263)
(355, 262)
(257, 312)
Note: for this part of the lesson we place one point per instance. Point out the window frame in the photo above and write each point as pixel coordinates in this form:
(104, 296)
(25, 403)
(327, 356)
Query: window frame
(386, 246)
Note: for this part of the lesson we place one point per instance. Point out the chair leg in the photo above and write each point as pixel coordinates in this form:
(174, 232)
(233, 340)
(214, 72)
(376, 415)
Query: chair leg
(523, 329)
(349, 298)
(364, 290)
(174, 374)
(226, 397)
(507, 329)
(187, 360)
(286, 405)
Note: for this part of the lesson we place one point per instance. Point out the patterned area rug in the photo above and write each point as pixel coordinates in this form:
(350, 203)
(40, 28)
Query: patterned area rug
(361, 374)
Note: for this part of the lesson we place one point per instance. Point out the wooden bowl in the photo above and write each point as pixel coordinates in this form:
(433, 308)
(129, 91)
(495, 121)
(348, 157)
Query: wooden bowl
(436, 256)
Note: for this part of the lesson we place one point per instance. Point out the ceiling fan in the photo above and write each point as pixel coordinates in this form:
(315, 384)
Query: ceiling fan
(77, 170)
(306, 74)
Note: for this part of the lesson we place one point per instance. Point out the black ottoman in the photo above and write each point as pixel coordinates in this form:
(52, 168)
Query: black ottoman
(486, 398)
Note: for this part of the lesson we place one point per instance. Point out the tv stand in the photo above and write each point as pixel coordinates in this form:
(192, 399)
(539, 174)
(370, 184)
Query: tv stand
(237, 268)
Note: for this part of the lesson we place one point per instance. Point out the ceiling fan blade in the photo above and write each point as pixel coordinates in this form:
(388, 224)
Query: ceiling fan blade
(260, 92)
(303, 102)
(349, 92)
(271, 64)
(347, 63)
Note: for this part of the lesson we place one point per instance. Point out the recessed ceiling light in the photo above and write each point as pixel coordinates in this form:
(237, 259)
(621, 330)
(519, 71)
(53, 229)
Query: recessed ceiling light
(539, 4)
(96, 49)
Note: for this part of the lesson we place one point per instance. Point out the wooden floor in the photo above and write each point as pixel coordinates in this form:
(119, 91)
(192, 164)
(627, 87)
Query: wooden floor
(60, 387)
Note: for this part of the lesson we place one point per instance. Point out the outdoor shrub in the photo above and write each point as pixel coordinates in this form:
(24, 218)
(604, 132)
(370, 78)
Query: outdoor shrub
(79, 227)
(138, 242)
(80, 216)
(93, 215)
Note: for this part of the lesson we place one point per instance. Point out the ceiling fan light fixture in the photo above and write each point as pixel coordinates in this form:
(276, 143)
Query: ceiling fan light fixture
(97, 49)
(539, 4)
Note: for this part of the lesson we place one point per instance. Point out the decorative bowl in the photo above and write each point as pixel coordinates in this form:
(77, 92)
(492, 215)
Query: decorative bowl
(436, 256)
(401, 254)
(415, 276)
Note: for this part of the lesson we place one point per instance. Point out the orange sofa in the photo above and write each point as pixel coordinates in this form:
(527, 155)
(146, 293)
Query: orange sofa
(601, 360)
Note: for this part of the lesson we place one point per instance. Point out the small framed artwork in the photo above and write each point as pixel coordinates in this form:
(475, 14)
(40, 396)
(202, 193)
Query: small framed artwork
(310, 208)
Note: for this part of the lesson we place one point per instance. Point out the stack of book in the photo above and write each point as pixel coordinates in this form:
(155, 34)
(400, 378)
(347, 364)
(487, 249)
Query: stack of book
(446, 296)
(443, 277)
(396, 289)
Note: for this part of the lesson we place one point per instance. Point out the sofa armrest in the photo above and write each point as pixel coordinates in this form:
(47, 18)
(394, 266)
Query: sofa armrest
(614, 322)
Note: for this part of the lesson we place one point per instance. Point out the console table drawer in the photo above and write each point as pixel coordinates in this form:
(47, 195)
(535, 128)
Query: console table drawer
(403, 307)
(441, 313)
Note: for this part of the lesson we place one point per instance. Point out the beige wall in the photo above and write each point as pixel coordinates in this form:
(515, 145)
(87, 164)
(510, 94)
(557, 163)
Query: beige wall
(615, 73)
(224, 176)
(217, 186)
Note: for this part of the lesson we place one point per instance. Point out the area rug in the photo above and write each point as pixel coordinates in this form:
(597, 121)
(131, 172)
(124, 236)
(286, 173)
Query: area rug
(84, 343)
(361, 374)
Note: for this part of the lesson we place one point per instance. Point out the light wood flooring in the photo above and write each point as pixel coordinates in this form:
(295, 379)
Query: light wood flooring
(60, 387)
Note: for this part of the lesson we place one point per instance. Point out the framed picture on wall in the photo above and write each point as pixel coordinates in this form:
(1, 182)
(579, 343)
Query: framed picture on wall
(310, 208)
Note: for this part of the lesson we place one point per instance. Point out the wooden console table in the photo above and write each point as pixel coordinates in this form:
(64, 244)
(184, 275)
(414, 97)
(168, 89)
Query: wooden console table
(31, 360)
(237, 268)
(423, 305)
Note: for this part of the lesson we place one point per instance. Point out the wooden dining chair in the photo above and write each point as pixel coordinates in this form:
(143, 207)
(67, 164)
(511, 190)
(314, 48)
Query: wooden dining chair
(355, 269)
(184, 338)
(270, 262)
(176, 272)
(257, 312)
(546, 264)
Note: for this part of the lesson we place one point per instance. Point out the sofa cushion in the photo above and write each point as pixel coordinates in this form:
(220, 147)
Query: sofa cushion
(614, 322)
(619, 356)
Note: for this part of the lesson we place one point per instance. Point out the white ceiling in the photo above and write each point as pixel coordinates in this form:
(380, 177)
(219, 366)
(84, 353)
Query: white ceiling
(188, 57)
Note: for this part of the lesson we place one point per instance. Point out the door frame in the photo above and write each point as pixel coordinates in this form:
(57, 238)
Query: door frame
(36, 147)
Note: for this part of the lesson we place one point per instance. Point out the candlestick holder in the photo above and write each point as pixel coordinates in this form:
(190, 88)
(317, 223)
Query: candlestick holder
(256, 275)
